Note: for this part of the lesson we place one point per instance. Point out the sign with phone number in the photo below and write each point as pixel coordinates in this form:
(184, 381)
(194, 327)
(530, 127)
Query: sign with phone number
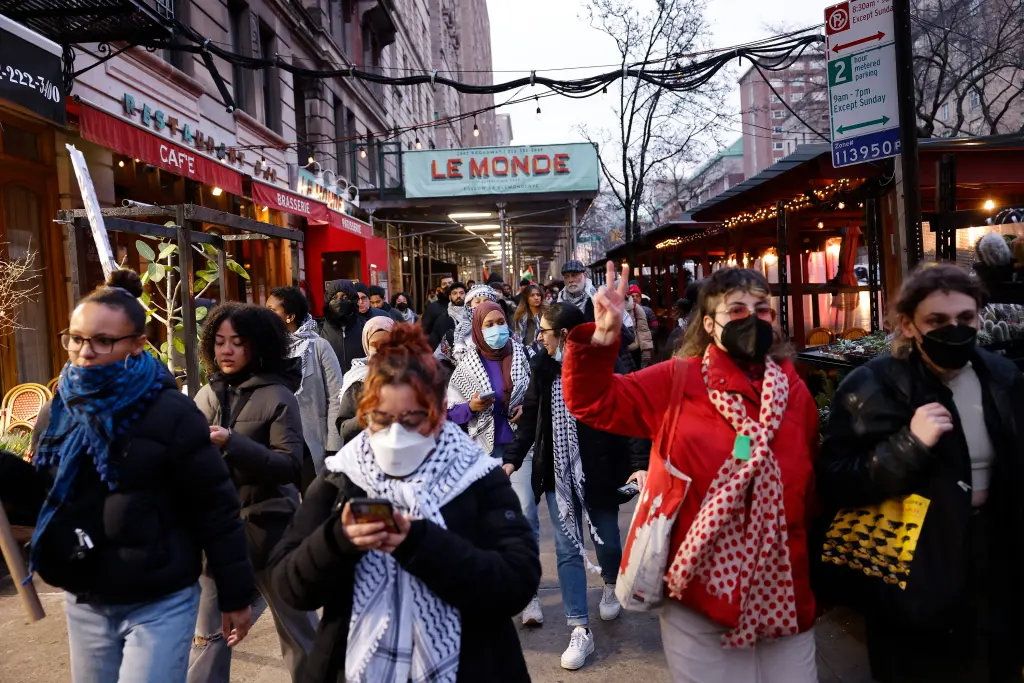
(31, 76)
(884, 143)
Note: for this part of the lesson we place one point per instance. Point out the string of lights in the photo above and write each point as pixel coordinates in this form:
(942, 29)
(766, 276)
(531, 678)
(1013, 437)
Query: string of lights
(829, 193)
(775, 53)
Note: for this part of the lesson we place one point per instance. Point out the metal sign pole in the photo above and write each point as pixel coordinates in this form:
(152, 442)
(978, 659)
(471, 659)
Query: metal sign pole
(908, 133)
(501, 221)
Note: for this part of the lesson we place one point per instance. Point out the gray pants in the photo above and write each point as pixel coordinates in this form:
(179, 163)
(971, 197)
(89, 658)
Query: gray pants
(210, 659)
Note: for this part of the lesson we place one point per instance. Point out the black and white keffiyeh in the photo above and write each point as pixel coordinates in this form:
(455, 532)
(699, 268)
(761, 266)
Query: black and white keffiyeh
(569, 477)
(408, 315)
(301, 344)
(577, 300)
(400, 630)
(357, 373)
(470, 377)
(457, 313)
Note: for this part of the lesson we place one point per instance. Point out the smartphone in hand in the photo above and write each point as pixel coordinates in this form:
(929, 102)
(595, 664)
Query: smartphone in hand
(487, 396)
(629, 490)
(369, 510)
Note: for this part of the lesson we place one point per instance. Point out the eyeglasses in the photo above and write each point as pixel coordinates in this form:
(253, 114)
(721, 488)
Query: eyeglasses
(543, 330)
(741, 312)
(410, 419)
(99, 345)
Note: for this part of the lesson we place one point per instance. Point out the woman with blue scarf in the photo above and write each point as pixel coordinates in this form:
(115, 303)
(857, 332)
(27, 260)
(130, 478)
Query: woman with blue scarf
(136, 493)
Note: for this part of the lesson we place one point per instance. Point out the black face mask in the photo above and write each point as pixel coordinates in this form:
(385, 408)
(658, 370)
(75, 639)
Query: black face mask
(950, 347)
(402, 306)
(749, 339)
(340, 308)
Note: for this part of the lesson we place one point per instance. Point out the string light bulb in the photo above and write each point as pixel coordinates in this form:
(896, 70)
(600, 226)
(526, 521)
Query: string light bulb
(417, 143)
(362, 152)
(476, 129)
(989, 205)
(841, 206)
(120, 164)
(310, 161)
(604, 93)
(539, 115)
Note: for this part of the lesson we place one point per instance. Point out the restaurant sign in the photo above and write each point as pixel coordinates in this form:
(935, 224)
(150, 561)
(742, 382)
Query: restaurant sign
(525, 169)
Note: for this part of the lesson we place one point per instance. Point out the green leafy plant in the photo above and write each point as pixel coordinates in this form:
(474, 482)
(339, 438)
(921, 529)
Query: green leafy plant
(163, 274)
(16, 442)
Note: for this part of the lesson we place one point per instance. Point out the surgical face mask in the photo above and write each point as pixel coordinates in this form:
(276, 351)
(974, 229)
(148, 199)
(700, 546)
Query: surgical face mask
(402, 306)
(559, 352)
(398, 451)
(748, 339)
(950, 347)
(497, 336)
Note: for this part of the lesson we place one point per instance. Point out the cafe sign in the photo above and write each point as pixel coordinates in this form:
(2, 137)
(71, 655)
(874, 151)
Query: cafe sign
(307, 185)
(170, 126)
(524, 169)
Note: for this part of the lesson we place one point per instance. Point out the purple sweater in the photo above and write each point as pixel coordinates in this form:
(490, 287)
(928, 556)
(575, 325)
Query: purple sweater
(462, 414)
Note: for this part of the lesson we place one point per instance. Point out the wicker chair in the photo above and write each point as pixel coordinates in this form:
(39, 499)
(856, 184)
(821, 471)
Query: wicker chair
(819, 336)
(52, 385)
(853, 333)
(23, 403)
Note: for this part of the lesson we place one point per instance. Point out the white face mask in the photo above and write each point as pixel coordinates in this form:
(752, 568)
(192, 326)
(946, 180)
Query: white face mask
(398, 451)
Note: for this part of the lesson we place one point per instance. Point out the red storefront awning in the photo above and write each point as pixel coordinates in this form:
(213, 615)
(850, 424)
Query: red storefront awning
(353, 225)
(283, 200)
(130, 140)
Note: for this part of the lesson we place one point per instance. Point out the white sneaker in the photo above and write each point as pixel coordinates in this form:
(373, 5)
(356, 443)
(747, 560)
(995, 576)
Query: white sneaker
(581, 646)
(610, 607)
(532, 615)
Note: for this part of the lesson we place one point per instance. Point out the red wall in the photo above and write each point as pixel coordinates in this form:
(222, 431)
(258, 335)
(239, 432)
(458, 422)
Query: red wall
(325, 238)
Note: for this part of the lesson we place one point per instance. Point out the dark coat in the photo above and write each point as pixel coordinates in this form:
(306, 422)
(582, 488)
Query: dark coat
(435, 310)
(348, 423)
(264, 452)
(345, 333)
(608, 459)
(395, 314)
(442, 326)
(869, 455)
(485, 564)
(174, 501)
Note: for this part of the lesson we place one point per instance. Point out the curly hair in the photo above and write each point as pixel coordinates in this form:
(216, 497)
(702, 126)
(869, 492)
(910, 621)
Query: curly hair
(260, 329)
(712, 290)
(293, 301)
(922, 283)
(405, 358)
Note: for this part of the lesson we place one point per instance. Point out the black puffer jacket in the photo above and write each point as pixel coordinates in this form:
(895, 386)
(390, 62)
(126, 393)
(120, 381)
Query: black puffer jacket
(345, 333)
(608, 459)
(869, 455)
(265, 450)
(174, 501)
(485, 564)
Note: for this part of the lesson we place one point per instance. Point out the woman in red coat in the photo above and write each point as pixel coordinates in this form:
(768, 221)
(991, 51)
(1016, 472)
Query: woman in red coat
(747, 435)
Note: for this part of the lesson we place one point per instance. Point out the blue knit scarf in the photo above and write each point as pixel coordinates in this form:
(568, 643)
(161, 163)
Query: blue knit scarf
(92, 407)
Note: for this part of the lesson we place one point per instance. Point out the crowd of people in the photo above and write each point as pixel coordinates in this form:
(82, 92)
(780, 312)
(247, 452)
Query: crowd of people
(376, 478)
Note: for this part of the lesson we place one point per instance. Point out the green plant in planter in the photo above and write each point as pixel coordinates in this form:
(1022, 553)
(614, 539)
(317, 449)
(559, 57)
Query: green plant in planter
(163, 274)
(17, 442)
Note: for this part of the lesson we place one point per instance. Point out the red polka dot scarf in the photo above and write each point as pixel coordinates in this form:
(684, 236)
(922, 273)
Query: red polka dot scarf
(734, 552)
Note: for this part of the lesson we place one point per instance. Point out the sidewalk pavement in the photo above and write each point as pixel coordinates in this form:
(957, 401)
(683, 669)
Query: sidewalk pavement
(628, 649)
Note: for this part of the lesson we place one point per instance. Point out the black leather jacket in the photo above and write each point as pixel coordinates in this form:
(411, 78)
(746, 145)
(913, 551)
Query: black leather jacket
(869, 455)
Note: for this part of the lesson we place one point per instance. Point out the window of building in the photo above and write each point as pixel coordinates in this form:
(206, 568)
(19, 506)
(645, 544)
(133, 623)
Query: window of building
(945, 111)
(797, 79)
(975, 99)
(242, 78)
(818, 95)
(777, 84)
(775, 99)
(796, 96)
(270, 81)
(778, 114)
(305, 149)
(778, 146)
(777, 129)
(797, 66)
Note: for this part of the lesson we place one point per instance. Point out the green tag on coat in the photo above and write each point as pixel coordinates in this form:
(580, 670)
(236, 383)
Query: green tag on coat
(741, 448)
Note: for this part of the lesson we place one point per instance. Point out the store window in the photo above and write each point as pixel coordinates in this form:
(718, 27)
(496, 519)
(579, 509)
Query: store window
(23, 222)
(270, 81)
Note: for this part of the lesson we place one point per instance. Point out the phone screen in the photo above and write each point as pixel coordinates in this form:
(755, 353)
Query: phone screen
(369, 510)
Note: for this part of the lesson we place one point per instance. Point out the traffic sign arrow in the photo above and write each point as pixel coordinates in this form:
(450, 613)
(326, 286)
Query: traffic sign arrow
(855, 43)
(842, 130)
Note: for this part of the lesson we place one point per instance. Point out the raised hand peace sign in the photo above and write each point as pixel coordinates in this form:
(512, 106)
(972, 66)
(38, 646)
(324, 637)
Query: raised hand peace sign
(609, 305)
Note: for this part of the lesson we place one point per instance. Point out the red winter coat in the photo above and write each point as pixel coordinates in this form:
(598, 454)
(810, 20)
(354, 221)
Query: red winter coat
(636, 405)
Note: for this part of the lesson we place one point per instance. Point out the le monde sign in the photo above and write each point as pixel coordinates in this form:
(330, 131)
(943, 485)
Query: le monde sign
(501, 170)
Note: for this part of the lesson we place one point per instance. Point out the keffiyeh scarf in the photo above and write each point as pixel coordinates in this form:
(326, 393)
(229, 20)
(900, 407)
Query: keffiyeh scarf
(762, 572)
(470, 377)
(577, 300)
(358, 371)
(569, 477)
(301, 344)
(399, 629)
(92, 408)
(408, 315)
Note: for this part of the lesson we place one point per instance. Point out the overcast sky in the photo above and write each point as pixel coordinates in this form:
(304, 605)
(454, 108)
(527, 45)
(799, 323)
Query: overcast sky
(545, 34)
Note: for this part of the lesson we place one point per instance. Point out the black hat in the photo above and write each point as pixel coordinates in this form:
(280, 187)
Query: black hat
(573, 266)
(494, 277)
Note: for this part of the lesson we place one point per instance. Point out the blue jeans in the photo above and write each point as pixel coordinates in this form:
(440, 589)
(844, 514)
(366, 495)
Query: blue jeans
(572, 574)
(522, 484)
(145, 642)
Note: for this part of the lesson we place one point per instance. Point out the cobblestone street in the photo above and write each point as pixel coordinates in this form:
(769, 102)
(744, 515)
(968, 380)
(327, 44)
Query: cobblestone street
(628, 649)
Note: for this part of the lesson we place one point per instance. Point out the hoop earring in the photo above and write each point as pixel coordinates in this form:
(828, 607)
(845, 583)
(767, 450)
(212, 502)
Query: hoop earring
(127, 356)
